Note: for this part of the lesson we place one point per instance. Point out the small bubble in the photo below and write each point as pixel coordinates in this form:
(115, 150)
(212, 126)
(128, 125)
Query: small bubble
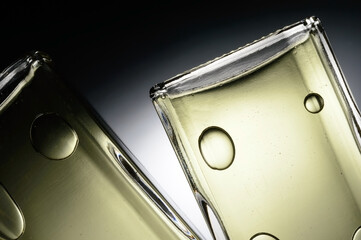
(217, 148)
(263, 236)
(53, 137)
(313, 103)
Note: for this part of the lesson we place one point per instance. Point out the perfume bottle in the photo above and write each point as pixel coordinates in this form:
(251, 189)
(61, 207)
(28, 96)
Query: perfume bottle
(64, 174)
(268, 136)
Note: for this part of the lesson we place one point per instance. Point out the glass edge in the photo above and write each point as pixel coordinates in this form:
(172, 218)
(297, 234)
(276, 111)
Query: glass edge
(135, 170)
(146, 182)
(353, 111)
(311, 24)
(160, 90)
(20, 73)
(247, 57)
(20, 213)
(215, 228)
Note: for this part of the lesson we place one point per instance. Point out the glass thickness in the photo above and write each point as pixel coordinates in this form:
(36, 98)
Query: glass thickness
(64, 174)
(268, 137)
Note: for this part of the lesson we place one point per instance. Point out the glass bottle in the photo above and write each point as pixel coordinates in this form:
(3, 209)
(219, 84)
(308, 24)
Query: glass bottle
(268, 136)
(64, 174)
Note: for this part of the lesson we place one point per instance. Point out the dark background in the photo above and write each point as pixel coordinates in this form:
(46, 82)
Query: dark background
(92, 42)
(112, 53)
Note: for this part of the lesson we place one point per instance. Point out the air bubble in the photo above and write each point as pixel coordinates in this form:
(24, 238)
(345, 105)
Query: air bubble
(313, 103)
(217, 148)
(53, 137)
(263, 236)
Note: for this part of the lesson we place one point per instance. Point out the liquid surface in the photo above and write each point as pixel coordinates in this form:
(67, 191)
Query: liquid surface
(296, 171)
(85, 196)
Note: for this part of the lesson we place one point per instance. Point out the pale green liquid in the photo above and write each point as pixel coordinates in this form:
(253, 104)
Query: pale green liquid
(296, 171)
(63, 177)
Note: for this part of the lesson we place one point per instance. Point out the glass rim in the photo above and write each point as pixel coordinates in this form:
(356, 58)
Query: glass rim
(239, 61)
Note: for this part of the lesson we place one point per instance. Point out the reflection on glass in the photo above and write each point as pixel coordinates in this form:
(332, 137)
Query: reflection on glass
(293, 171)
(64, 174)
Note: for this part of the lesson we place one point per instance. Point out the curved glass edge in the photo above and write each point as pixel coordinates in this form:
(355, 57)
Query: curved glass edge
(19, 74)
(237, 62)
(14, 78)
(16, 228)
(218, 71)
(352, 111)
(213, 222)
(244, 60)
(132, 166)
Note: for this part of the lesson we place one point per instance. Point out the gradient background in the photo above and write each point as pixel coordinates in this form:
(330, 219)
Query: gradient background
(114, 53)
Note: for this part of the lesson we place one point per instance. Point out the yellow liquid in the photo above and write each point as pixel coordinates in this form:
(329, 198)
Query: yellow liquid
(73, 188)
(272, 151)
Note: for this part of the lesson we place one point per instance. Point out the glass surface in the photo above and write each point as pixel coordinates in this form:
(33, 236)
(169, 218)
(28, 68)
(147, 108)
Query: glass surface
(64, 174)
(268, 137)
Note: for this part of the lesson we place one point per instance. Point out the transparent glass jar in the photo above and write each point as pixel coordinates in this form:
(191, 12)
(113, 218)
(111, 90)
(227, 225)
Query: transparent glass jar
(268, 136)
(64, 174)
